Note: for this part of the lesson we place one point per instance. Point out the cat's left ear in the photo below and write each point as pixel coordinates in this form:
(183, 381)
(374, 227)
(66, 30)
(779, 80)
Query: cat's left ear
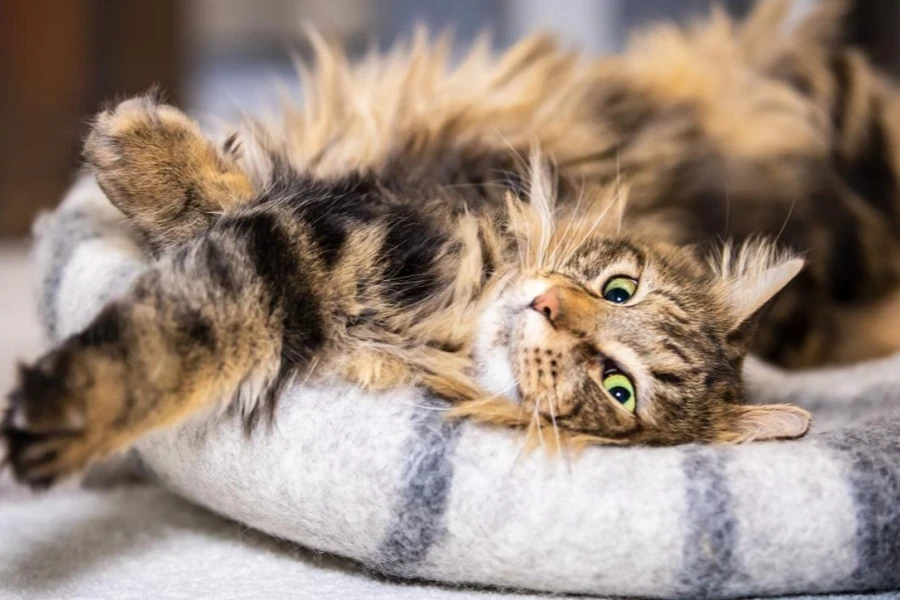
(750, 276)
(747, 423)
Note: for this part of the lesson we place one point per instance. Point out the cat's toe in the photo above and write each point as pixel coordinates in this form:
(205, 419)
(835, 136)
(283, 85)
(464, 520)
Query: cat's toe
(44, 427)
(138, 130)
(37, 460)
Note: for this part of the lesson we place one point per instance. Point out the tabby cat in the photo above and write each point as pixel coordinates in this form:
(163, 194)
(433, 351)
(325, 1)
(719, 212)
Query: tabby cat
(537, 239)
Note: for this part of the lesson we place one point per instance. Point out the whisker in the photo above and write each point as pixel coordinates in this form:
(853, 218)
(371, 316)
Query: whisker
(496, 184)
(515, 213)
(786, 219)
(542, 199)
(727, 205)
(565, 234)
(583, 239)
(619, 188)
(425, 407)
(521, 159)
(579, 240)
(536, 419)
(573, 244)
(555, 429)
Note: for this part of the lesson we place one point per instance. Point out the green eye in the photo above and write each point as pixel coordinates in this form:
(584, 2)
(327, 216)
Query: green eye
(619, 289)
(620, 388)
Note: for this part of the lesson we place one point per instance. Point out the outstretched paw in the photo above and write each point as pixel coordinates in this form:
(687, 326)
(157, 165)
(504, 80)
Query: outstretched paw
(158, 168)
(47, 427)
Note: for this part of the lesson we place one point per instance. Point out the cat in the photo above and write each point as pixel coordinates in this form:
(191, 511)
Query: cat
(535, 238)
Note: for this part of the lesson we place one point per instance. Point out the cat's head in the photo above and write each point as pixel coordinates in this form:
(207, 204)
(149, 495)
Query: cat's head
(628, 340)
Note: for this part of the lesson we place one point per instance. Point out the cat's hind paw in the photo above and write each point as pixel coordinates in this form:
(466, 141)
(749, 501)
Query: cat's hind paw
(157, 167)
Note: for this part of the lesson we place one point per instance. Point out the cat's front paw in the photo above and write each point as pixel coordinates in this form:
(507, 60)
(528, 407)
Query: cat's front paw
(46, 427)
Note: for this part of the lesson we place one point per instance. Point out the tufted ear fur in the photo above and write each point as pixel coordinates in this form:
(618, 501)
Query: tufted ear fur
(749, 277)
(747, 423)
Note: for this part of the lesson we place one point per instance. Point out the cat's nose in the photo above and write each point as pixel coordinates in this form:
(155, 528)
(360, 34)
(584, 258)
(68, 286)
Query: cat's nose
(547, 304)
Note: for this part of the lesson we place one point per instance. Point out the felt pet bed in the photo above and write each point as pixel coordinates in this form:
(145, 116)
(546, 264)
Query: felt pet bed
(386, 480)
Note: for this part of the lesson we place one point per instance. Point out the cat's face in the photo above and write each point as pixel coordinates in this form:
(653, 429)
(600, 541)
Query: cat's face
(634, 343)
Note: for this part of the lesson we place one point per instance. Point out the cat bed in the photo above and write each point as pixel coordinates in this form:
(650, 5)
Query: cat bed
(386, 480)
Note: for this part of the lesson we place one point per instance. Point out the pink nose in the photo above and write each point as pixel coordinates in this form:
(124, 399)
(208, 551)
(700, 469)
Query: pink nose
(547, 304)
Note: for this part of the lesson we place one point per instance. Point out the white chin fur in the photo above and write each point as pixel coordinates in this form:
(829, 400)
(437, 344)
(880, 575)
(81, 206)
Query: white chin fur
(492, 355)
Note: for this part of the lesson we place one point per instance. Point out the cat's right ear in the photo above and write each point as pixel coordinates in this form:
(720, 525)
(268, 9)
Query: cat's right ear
(748, 278)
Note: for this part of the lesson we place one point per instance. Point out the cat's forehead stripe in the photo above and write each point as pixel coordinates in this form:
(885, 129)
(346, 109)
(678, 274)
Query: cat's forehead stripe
(620, 249)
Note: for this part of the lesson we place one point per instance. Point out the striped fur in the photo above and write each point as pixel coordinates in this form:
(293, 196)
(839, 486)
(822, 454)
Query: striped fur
(389, 233)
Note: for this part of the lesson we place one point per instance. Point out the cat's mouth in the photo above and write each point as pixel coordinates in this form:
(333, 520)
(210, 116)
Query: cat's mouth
(535, 355)
(500, 335)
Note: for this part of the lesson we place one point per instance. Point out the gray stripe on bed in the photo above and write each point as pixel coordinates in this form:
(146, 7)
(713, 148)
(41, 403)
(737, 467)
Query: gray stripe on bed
(69, 230)
(710, 524)
(418, 520)
(870, 452)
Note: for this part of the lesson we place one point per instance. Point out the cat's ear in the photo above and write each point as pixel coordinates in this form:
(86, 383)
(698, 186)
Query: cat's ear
(747, 423)
(749, 277)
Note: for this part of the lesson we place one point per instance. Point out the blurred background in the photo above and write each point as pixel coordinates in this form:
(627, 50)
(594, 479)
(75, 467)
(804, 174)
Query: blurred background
(61, 59)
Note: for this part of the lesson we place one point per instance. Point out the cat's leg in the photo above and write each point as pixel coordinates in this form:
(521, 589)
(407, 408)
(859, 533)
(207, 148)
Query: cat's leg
(200, 325)
(158, 168)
